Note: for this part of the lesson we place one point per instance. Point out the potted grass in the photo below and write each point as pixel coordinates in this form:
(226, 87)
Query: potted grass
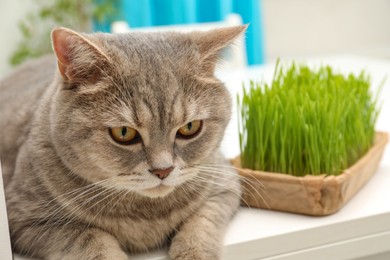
(307, 140)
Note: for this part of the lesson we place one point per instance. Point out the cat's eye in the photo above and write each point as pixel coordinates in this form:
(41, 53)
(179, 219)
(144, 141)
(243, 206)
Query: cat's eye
(190, 129)
(124, 135)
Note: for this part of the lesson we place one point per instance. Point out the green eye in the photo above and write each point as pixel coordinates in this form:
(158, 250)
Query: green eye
(190, 129)
(124, 135)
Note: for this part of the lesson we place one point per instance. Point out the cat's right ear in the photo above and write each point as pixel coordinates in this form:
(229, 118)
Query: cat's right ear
(79, 59)
(211, 43)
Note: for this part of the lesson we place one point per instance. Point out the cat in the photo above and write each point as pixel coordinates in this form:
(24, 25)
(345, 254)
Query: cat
(110, 146)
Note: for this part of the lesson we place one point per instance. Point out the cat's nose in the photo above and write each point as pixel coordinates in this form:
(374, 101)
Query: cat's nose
(162, 173)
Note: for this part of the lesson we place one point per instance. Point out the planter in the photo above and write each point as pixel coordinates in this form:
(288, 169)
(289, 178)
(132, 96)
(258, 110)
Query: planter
(311, 195)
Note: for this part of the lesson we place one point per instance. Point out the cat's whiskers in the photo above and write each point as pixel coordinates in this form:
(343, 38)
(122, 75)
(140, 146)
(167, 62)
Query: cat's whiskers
(215, 182)
(186, 191)
(185, 175)
(106, 189)
(216, 166)
(254, 185)
(238, 194)
(121, 194)
(251, 185)
(73, 211)
(67, 196)
(68, 217)
(56, 222)
(58, 207)
(194, 189)
(192, 173)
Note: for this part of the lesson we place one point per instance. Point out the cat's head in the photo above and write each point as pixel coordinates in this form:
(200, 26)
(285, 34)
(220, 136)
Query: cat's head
(139, 111)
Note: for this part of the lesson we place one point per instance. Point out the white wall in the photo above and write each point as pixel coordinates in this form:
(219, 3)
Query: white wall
(11, 11)
(293, 28)
(321, 27)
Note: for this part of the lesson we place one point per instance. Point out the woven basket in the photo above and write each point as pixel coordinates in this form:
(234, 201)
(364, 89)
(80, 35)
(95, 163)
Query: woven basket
(311, 195)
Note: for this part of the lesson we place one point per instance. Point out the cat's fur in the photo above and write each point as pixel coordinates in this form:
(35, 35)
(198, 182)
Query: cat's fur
(73, 193)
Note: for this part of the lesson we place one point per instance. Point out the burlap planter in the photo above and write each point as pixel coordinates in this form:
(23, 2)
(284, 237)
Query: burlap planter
(311, 195)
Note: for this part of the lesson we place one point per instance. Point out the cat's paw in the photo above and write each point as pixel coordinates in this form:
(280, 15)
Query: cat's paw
(96, 255)
(193, 249)
(91, 244)
(117, 255)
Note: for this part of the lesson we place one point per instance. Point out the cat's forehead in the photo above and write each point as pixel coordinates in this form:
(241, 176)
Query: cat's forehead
(156, 79)
(156, 65)
(150, 53)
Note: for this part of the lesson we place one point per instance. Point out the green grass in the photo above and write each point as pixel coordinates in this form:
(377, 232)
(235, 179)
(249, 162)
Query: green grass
(306, 121)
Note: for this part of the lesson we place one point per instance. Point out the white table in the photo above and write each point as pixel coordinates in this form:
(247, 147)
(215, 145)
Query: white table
(5, 244)
(361, 228)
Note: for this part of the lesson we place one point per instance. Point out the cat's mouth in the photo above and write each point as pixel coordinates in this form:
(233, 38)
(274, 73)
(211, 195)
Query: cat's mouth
(160, 190)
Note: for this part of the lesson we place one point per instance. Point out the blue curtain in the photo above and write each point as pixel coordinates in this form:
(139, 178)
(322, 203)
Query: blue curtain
(144, 13)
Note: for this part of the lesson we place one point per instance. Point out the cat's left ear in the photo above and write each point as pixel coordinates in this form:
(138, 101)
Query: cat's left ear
(210, 43)
(79, 59)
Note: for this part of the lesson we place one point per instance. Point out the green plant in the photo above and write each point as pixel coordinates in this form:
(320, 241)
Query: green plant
(306, 121)
(75, 14)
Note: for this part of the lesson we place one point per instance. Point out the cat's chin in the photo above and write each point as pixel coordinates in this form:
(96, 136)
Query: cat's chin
(157, 192)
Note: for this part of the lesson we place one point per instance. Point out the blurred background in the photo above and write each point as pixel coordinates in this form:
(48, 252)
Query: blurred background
(278, 28)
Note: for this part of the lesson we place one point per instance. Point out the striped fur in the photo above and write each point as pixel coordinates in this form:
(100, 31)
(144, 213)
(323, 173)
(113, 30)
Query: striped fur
(73, 193)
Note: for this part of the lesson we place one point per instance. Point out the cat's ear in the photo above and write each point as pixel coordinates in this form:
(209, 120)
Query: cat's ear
(79, 59)
(210, 43)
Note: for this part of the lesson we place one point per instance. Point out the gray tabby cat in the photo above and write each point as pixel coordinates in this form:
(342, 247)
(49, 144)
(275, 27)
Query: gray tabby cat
(117, 150)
